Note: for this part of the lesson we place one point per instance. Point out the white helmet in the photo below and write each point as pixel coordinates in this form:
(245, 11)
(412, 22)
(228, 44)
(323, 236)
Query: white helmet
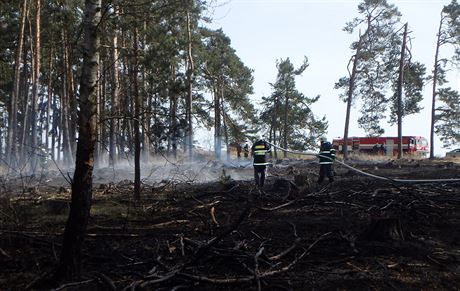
(323, 138)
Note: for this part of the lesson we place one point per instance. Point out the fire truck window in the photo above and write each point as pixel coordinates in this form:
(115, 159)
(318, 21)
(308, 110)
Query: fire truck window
(422, 142)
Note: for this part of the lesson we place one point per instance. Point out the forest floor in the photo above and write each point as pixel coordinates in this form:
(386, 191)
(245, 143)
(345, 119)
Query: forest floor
(358, 233)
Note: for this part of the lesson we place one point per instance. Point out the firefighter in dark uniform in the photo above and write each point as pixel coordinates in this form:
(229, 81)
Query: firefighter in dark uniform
(326, 159)
(259, 151)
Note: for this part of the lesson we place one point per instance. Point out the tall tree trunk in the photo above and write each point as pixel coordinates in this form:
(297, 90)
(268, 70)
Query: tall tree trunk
(97, 147)
(224, 121)
(285, 118)
(217, 120)
(55, 152)
(351, 88)
(189, 100)
(173, 113)
(434, 91)
(274, 117)
(36, 58)
(113, 157)
(75, 230)
(49, 100)
(145, 143)
(24, 152)
(400, 91)
(136, 123)
(65, 104)
(13, 108)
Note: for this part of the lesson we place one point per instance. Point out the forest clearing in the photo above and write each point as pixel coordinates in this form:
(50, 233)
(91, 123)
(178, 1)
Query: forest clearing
(225, 234)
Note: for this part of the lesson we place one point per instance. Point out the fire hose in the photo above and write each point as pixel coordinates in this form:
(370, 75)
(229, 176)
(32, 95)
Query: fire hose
(365, 173)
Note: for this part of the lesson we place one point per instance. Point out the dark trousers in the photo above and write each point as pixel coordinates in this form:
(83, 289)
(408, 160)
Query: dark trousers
(259, 175)
(325, 170)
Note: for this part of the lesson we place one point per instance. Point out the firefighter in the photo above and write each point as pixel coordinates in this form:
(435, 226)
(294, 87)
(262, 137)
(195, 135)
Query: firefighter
(259, 150)
(326, 159)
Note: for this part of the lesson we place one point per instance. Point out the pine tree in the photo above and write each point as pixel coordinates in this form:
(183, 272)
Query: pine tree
(230, 82)
(368, 77)
(448, 34)
(448, 117)
(288, 113)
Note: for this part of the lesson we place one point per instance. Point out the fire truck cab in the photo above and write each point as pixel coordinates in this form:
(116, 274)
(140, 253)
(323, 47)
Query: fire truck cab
(413, 145)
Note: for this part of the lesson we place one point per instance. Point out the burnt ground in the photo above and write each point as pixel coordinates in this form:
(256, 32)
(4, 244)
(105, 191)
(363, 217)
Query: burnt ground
(358, 233)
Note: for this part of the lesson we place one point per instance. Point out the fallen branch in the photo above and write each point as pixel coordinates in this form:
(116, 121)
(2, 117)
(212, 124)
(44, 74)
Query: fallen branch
(73, 284)
(278, 207)
(242, 279)
(256, 267)
(203, 249)
(5, 253)
(286, 251)
(213, 216)
(108, 283)
(159, 280)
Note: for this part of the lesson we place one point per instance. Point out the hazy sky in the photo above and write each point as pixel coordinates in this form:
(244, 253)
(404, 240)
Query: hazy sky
(264, 31)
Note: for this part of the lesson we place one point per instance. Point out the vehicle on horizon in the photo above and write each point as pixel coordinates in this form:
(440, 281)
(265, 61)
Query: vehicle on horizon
(382, 145)
(453, 153)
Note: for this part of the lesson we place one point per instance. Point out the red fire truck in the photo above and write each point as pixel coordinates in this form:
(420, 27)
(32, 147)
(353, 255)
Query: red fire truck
(414, 145)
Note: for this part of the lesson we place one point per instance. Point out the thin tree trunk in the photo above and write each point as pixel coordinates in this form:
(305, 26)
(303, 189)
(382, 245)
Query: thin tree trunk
(75, 230)
(173, 114)
(224, 120)
(24, 152)
(351, 88)
(65, 104)
(136, 123)
(217, 121)
(286, 110)
(434, 91)
(13, 108)
(189, 100)
(36, 58)
(50, 99)
(400, 91)
(97, 147)
(23, 99)
(113, 157)
(274, 117)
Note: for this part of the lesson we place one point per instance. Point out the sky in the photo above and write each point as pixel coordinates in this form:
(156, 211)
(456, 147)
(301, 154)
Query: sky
(264, 31)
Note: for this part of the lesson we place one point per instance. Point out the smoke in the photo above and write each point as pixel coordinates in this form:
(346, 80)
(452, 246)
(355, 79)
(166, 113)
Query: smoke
(154, 170)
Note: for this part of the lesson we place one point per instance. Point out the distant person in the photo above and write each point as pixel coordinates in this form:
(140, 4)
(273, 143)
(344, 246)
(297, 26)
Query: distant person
(326, 159)
(259, 152)
(375, 149)
(246, 151)
(383, 149)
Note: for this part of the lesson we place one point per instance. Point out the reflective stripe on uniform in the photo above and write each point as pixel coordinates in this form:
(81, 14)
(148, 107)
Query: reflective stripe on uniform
(261, 164)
